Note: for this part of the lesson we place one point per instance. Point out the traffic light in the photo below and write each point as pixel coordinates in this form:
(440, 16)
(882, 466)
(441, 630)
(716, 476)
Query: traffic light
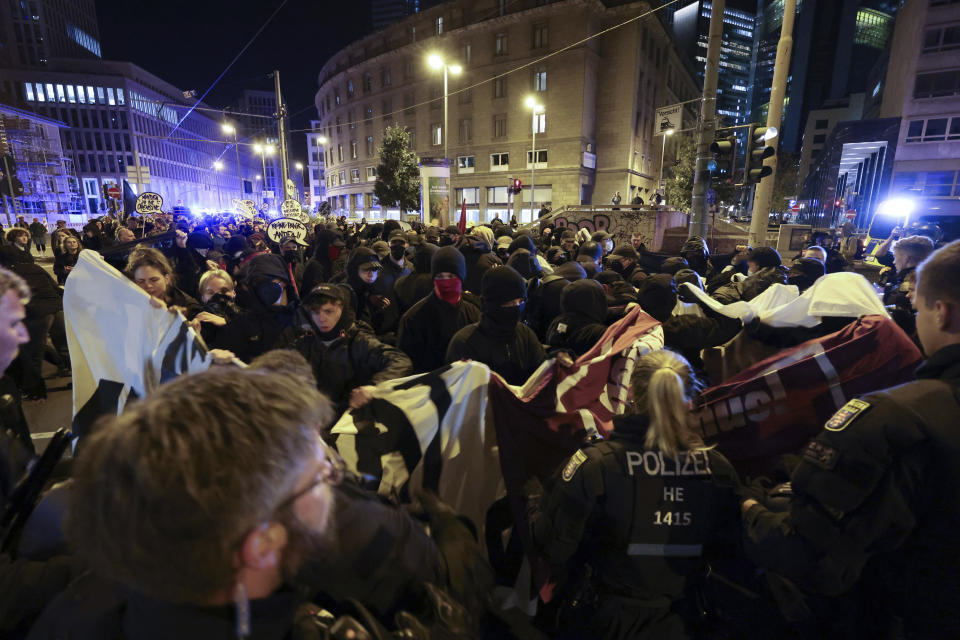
(722, 165)
(517, 186)
(757, 152)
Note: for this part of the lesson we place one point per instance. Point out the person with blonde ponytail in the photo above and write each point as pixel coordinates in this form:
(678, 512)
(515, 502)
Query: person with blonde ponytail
(626, 522)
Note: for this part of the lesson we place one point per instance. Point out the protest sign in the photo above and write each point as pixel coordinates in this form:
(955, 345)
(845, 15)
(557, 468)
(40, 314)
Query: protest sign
(284, 227)
(292, 209)
(148, 202)
(245, 208)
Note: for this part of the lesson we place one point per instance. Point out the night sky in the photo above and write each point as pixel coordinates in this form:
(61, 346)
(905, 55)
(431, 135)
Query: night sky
(188, 43)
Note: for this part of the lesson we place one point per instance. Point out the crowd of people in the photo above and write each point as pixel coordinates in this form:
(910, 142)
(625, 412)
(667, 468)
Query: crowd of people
(217, 506)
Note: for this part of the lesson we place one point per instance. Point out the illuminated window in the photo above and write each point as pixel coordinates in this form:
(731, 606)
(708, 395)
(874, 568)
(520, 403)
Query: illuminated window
(70, 95)
(120, 96)
(61, 96)
(500, 44)
(29, 89)
(81, 95)
(100, 96)
(539, 123)
(540, 79)
(873, 28)
(436, 134)
(111, 99)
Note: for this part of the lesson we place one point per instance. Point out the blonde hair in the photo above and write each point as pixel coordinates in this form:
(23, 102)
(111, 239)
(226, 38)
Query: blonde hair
(215, 273)
(663, 385)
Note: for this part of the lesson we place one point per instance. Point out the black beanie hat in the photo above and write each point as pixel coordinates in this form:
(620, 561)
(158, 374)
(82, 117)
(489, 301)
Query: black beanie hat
(687, 275)
(234, 244)
(657, 296)
(199, 241)
(673, 265)
(765, 257)
(449, 259)
(501, 284)
(592, 250)
(808, 268)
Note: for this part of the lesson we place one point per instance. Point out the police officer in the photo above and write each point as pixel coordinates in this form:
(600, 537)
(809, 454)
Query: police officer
(636, 513)
(877, 493)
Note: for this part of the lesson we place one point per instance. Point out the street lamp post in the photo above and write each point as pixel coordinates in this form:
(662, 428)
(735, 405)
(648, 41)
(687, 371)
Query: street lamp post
(264, 150)
(217, 167)
(229, 128)
(536, 109)
(663, 152)
(436, 62)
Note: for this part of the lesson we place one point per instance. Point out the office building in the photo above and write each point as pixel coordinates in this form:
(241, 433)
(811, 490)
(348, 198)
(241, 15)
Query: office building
(594, 137)
(383, 13)
(820, 122)
(316, 180)
(257, 115)
(923, 88)
(691, 27)
(33, 33)
(50, 185)
(836, 44)
(119, 115)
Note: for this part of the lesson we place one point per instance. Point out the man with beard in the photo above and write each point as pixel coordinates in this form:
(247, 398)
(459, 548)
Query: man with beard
(499, 339)
(207, 527)
(428, 326)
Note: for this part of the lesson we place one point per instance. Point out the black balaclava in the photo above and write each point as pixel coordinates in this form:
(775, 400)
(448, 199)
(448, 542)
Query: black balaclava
(499, 285)
(586, 298)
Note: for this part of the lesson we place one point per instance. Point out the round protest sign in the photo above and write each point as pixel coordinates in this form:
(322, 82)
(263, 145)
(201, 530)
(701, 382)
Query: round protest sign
(292, 209)
(287, 227)
(148, 202)
(245, 208)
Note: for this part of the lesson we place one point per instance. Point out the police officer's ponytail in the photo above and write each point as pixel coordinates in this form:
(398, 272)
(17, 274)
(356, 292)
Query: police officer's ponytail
(663, 386)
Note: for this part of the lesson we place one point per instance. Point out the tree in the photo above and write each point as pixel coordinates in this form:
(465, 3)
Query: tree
(398, 174)
(678, 185)
(786, 183)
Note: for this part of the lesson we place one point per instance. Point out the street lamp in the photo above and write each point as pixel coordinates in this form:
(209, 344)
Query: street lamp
(218, 166)
(264, 150)
(228, 128)
(299, 167)
(537, 109)
(663, 150)
(436, 62)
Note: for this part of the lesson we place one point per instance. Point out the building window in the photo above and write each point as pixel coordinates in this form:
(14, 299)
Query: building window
(370, 149)
(385, 77)
(465, 53)
(387, 108)
(350, 89)
(436, 98)
(436, 134)
(820, 138)
(466, 130)
(941, 39)
(470, 194)
(353, 149)
(413, 34)
(540, 123)
(500, 87)
(873, 28)
(540, 79)
(500, 125)
(29, 89)
(408, 70)
(465, 164)
(539, 36)
(822, 124)
(350, 121)
(465, 96)
(933, 130)
(408, 103)
(438, 26)
(371, 174)
(71, 98)
(368, 113)
(340, 152)
(339, 129)
(937, 84)
(499, 161)
(497, 195)
(500, 44)
(367, 83)
(336, 97)
(61, 96)
(541, 158)
(413, 137)
(343, 177)
(355, 175)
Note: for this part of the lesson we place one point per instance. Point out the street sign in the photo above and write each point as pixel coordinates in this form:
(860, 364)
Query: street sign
(148, 202)
(138, 173)
(851, 214)
(113, 191)
(668, 118)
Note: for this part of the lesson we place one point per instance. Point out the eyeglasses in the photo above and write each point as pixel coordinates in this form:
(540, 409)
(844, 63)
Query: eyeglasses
(331, 472)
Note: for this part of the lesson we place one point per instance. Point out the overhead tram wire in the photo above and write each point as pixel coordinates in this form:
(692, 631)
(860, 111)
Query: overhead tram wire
(232, 62)
(504, 74)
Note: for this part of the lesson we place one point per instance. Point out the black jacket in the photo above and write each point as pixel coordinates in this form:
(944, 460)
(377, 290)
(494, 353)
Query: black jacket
(427, 328)
(514, 359)
(354, 359)
(477, 264)
(689, 334)
(877, 500)
(582, 323)
(754, 285)
(60, 262)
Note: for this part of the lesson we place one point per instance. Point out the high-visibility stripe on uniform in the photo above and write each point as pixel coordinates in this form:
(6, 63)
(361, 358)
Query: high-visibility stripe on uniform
(665, 550)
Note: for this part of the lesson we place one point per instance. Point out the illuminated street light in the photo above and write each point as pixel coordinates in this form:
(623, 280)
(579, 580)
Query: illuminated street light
(437, 62)
(228, 128)
(536, 108)
(663, 149)
(218, 165)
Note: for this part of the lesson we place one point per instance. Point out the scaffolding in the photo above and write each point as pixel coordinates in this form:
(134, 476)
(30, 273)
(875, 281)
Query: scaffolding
(50, 184)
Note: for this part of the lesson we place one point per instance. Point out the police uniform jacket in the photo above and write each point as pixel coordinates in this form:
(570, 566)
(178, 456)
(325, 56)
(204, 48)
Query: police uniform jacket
(640, 518)
(879, 488)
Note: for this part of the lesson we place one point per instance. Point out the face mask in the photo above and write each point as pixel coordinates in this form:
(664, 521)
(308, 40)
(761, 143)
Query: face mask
(333, 252)
(448, 289)
(397, 252)
(615, 266)
(269, 293)
(505, 318)
(290, 256)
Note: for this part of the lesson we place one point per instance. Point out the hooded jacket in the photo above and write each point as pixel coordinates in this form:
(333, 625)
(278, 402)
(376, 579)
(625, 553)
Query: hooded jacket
(412, 287)
(582, 322)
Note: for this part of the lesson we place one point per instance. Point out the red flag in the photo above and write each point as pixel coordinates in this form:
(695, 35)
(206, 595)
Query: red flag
(777, 405)
(463, 217)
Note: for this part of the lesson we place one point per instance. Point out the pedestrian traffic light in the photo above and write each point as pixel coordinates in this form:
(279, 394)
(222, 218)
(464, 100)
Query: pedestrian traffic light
(517, 186)
(724, 151)
(757, 152)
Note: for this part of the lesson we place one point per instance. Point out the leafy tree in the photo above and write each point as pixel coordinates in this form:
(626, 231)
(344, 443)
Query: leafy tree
(398, 174)
(786, 183)
(678, 183)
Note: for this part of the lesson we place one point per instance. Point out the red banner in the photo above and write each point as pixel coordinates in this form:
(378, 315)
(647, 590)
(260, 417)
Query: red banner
(777, 405)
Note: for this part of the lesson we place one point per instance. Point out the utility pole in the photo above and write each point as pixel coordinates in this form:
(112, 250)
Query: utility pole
(282, 129)
(707, 124)
(764, 190)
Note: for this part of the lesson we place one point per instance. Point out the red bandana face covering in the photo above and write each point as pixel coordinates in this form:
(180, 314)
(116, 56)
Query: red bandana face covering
(448, 290)
(333, 253)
